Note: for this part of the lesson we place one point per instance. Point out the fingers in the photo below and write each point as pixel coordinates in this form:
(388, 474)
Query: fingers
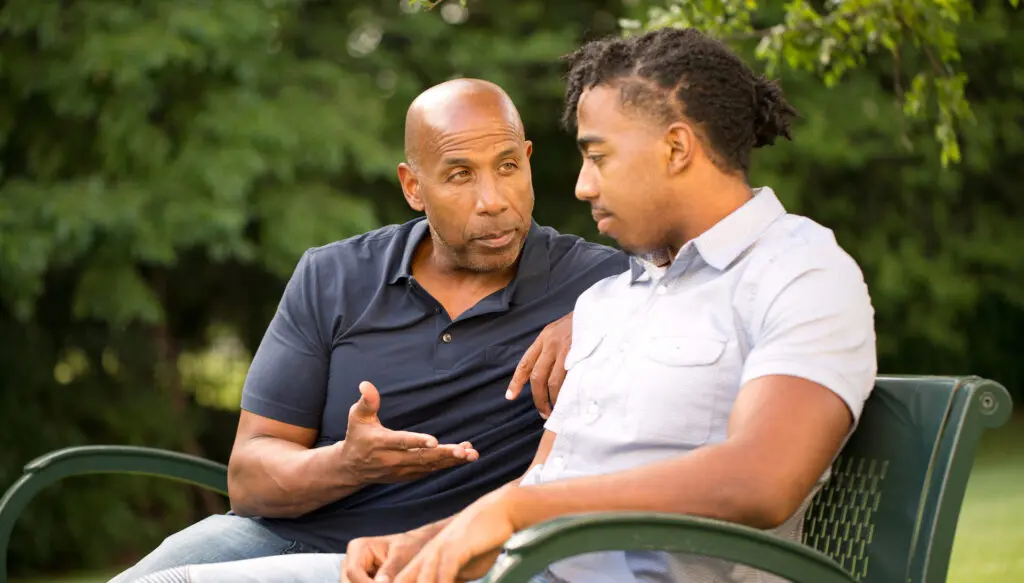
(405, 440)
(431, 564)
(539, 382)
(359, 563)
(440, 457)
(388, 571)
(522, 372)
(398, 558)
(368, 404)
(411, 572)
(448, 566)
(463, 451)
(554, 383)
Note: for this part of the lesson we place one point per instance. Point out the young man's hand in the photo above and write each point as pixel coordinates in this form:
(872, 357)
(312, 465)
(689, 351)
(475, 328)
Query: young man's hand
(468, 546)
(378, 559)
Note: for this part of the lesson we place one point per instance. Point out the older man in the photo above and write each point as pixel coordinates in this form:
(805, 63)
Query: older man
(376, 401)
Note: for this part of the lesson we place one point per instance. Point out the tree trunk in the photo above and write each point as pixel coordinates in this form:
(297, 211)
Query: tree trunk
(169, 379)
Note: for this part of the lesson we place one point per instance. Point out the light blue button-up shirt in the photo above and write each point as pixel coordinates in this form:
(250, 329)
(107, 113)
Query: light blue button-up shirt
(659, 355)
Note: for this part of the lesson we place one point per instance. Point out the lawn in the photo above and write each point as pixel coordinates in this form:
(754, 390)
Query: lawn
(990, 534)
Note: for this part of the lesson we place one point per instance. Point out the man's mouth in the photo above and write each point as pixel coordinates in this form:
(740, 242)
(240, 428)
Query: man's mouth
(602, 218)
(497, 239)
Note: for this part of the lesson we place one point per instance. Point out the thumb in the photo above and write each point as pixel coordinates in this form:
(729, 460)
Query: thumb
(369, 402)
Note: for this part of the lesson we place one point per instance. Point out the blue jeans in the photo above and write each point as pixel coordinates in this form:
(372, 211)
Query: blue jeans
(216, 539)
(294, 568)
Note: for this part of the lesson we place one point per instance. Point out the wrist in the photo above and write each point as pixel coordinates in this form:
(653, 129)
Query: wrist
(516, 501)
(429, 531)
(345, 472)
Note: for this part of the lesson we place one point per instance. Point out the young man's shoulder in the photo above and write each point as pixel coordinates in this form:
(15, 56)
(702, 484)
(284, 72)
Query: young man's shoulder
(797, 244)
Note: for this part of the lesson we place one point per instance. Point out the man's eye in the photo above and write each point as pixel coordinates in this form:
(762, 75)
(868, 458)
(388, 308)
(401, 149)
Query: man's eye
(595, 158)
(509, 166)
(460, 175)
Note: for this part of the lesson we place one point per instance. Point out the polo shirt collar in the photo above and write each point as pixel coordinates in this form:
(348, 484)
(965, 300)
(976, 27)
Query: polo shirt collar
(403, 271)
(530, 281)
(729, 238)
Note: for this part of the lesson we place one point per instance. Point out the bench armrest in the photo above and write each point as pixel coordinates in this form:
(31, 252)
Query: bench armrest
(529, 552)
(101, 459)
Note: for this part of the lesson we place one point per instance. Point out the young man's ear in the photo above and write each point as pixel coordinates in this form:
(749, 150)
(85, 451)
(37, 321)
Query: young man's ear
(410, 187)
(682, 143)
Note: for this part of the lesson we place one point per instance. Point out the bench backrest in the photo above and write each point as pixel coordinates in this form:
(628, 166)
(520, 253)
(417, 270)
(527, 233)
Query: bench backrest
(889, 511)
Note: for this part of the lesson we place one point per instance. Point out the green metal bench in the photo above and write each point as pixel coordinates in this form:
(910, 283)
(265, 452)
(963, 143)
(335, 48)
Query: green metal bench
(887, 515)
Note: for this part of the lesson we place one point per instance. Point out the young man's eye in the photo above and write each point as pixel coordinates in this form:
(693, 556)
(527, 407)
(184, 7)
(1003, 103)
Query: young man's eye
(595, 158)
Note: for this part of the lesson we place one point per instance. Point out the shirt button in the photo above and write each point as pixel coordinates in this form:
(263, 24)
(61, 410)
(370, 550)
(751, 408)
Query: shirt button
(593, 409)
(446, 337)
(661, 290)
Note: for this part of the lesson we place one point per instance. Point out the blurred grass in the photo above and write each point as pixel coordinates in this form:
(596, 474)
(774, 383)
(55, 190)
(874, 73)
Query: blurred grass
(989, 538)
(990, 533)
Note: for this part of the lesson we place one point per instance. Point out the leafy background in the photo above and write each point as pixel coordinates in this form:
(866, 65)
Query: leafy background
(163, 165)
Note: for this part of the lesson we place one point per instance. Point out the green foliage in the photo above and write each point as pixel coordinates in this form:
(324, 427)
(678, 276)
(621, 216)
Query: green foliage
(920, 37)
(134, 132)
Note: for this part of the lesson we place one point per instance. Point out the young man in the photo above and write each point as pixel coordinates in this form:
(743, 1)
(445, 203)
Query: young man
(720, 375)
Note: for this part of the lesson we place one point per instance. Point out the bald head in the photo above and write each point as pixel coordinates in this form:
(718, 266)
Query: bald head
(453, 107)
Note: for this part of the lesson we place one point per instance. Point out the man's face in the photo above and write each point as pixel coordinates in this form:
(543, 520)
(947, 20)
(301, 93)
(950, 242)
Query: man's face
(624, 175)
(474, 184)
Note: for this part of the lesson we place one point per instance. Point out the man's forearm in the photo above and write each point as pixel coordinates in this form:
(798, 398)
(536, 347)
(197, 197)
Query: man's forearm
(705, 483)
(276, 478)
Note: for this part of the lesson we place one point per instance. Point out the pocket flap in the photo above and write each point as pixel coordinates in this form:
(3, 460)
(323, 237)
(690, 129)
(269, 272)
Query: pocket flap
(582, 346)
(685, 350)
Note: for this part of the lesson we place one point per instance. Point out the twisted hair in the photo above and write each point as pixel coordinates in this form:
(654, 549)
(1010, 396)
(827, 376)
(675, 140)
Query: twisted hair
(672, 73)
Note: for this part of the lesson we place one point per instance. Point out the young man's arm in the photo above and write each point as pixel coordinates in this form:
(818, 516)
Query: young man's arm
(784, 432)
(378, 559)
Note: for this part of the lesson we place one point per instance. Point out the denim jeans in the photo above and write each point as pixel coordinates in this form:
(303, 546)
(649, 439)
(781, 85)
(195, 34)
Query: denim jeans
(216, 539)
(294, 568)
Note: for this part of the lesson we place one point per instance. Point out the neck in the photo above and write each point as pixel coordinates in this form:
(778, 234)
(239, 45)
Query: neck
(715, 198)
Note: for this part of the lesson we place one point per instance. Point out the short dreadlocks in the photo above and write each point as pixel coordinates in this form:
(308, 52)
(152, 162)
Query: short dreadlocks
(671, 73)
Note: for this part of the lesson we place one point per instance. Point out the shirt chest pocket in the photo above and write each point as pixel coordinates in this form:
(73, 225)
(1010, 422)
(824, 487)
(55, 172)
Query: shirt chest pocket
(675, 392)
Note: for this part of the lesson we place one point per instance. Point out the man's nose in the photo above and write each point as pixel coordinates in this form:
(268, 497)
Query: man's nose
(586, 186)
(490, 200)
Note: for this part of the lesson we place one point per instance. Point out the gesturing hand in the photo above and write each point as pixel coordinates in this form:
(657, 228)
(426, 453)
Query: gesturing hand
(543, 365)
(374, 454)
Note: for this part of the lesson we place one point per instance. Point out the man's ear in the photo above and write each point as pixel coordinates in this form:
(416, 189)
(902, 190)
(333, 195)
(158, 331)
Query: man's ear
(410, 187)
(529, 149)
(682, 145)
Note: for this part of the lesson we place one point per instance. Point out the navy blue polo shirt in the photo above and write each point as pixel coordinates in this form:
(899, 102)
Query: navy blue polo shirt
(352, 311)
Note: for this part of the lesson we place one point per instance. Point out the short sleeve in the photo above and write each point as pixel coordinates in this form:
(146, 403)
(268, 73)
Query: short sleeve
(287, 380)
(813, 319)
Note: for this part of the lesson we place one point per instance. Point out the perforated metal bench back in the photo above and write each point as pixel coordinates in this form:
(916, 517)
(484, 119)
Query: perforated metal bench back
(867, 516)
